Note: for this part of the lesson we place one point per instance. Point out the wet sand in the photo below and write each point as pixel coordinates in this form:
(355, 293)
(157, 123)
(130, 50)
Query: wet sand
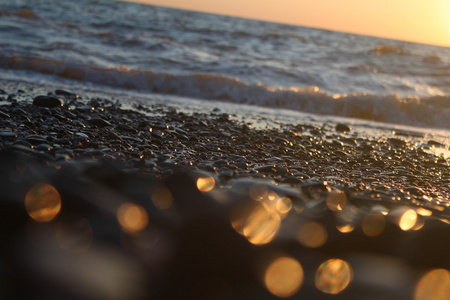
(102, 201)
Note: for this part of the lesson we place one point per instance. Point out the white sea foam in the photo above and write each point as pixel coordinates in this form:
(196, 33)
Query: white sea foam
(425, 112)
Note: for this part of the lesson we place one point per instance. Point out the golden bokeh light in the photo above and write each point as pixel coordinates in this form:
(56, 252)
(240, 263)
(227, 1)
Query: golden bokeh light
(435, 285)
(74, 234)
(408, 220)
(373, 224)
(419, 223)
(205, 184)
(312, 234)
(257, 222)
(336, 201)
(43, 202)
(345, 228)
(283, 205)
(133, 218)
(423, 212)
(333, 276)
(405, 217)
(284, 276)
(162, 198)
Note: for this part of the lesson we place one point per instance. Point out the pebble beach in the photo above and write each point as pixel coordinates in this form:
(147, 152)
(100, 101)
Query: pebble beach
(148, 152)
(148, 202)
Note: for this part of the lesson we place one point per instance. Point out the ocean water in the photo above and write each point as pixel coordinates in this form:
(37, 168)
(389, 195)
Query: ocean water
(161, 52)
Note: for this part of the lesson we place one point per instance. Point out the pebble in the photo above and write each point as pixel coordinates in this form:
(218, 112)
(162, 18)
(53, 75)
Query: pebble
(397, 142)
(98, 122)
(43, 147)
(47, 101)
(342, 128)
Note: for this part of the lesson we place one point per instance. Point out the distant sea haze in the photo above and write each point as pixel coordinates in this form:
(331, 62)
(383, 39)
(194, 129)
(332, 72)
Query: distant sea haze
(218, 58)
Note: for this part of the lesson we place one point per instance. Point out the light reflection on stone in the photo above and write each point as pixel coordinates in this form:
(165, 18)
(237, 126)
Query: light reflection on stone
(74, 234)
(373, 223)
(133, 218)
(284, 276)
(205, 184)
(312, 234)
(333, 276)
(257, 222)
(43, 202)
(433, 285)
(162, 198)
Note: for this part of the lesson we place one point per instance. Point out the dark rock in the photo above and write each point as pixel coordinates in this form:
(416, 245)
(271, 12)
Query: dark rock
(47, 101)
(7, 134)
(126, 128)
(61, 141)
(43, 147)
(22, 148)
(266, 168)
(397, 142)
(98, 122)
(3, 115)
(414, 190)
(70, 114)
(35, 139)
(342, 127)
(434, 143)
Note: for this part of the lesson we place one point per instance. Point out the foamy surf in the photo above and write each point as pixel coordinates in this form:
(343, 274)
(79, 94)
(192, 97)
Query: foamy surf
(413, 111)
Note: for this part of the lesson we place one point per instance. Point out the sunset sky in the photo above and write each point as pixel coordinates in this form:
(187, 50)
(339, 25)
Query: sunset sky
(425, 21)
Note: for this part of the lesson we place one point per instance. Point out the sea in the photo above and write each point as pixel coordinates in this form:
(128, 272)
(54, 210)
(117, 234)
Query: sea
(198, 59)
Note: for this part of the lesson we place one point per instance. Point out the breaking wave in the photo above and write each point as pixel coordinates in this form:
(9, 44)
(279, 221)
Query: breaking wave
(425, 112)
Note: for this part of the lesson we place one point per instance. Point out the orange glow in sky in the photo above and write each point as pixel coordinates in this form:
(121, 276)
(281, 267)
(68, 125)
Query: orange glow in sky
(424, 21)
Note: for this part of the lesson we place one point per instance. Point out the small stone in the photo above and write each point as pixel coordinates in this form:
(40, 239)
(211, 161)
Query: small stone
(414, 190)
(434, 143)
(98, 122)
(47, 101)
(22, 148)
(61, 141)
(342, 127)
(4, 115)
(81, 135)
(35, 139)
(7, 134)
(266, 168)
(397, 142)
(291, 180)
(43, 147)
(126, 128)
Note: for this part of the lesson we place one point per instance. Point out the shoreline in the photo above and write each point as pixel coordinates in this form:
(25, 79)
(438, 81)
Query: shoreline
(99, 156)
